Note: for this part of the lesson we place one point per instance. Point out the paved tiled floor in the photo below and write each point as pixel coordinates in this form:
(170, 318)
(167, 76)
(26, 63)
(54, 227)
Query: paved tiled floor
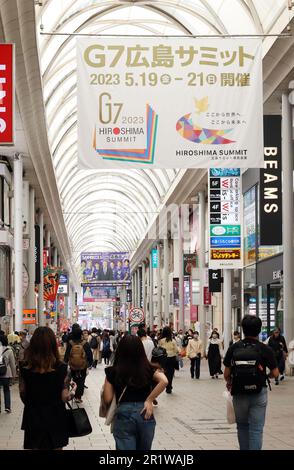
(193, 417)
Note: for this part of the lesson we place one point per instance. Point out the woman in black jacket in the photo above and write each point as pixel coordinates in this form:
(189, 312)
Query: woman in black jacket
(44, 389)
(79, 357)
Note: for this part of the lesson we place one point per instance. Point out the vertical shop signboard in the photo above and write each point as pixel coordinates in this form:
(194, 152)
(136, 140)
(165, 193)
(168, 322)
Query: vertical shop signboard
(6, 94)
(271, 184)
(225, 218)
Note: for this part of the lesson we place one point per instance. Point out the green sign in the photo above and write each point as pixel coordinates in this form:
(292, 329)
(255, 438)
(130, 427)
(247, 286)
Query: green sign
(223, 230)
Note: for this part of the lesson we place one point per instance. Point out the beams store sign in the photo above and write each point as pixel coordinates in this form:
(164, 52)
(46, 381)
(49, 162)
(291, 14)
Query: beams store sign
(169, 103)
(6, 94)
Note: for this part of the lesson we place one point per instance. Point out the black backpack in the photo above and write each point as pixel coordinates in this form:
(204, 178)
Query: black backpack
(185, 341)
(93, 342)
(248, 370)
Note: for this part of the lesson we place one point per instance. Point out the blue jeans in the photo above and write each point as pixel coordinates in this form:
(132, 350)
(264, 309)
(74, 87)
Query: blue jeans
(130, 430)
(250, 418)
(5, 383)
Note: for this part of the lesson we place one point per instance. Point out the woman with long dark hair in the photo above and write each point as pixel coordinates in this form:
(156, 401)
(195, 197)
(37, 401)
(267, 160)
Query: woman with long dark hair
(136, 384)
(44, 389)
(214, 354)
(169, 344)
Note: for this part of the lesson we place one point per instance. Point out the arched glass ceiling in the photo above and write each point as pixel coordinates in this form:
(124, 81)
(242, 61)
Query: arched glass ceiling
(110, 210)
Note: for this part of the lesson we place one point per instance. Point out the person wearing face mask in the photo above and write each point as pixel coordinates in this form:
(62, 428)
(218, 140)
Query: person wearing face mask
(214, 353)
(194, 353)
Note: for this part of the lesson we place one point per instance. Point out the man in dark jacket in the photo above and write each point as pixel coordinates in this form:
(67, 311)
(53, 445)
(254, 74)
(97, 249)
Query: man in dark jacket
(75, 355)
(278, 344)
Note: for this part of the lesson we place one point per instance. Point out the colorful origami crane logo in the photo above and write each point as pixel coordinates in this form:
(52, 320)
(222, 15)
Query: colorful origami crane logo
(201, 135)
(145, 155)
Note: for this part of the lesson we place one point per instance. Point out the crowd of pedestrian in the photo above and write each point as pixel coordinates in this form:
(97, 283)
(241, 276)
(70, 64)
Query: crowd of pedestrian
(138, 368)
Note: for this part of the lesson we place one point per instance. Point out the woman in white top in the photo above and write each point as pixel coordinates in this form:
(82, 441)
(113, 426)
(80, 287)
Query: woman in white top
(7, 362)
(169, 344)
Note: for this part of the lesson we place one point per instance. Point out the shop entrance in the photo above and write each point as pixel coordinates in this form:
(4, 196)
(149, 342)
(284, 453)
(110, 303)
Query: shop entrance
(271, 307)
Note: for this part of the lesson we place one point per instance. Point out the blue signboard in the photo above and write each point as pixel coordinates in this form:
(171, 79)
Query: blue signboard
(221, 172)
(225, 242)
(154, 256)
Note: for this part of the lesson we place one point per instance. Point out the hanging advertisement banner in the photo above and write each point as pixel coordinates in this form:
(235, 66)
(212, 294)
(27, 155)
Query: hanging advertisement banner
(63, 284)
(154, 256)
(6, 94)
(99, 294)
(37, 255)
(111, 268)
(190, 262)
(169, 102)
(225, 218)
(270, 207)
(51, 282)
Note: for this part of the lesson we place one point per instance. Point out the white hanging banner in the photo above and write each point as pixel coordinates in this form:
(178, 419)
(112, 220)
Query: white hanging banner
(169, 102)
(225, 218)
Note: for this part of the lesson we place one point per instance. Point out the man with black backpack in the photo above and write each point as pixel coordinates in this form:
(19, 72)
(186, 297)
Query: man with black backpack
(245, 373)
(79, 357)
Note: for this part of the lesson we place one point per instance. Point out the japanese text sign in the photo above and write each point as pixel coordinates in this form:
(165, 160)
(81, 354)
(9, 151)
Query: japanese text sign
(6, 94)
(169, 103)
(225, 218)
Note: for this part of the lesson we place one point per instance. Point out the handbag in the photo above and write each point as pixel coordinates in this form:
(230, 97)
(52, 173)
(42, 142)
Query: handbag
(108, 412)
(78, 422)
(231, 418)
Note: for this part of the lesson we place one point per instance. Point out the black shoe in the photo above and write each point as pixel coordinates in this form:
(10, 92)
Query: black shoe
(282, 377)
(276, 382)
(8, 410)
(168, 391)
(192, 376)
(85, 386)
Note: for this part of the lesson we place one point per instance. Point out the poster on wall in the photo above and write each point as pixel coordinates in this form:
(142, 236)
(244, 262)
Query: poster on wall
(225, 218)
(169, 102)
(190, 262)
(105, 268)
(63, 284)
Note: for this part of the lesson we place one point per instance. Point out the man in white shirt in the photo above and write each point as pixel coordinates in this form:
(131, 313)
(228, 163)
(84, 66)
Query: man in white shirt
(147, 343)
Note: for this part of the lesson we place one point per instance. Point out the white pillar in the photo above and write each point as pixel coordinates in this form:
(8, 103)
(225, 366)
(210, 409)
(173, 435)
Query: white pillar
(41, 316)
(288, 208)
(144, 286)
(138, 286)
(166, 280)
(58, 260)
(151, 310)
(18, 254)
(47, 244)
(227, 298)
(201, 259)
(55, 256)
(31, 257)
(159, 292)
(181, 277)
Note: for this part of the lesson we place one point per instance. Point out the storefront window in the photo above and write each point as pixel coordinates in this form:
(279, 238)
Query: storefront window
(250, 226)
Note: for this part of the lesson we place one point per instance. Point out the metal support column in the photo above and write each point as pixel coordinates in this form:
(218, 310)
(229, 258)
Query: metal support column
(181, 276)
(31, 257)
(151, 311)
(41, 316)
(55, 256)
(18, 254)
(144, 287)
(288, 213)
(201, 259)
(166, 280)
(227, 298)
(159, 290)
